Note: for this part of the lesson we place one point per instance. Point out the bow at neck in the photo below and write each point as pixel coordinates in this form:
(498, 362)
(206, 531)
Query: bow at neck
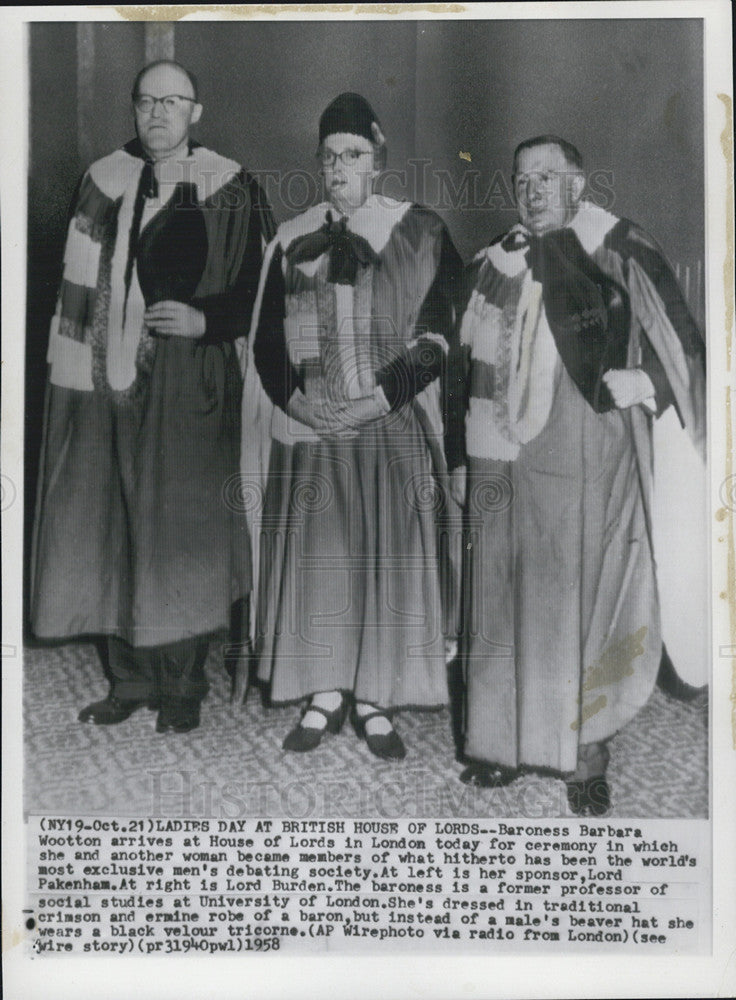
(347, 250)
(517, 239)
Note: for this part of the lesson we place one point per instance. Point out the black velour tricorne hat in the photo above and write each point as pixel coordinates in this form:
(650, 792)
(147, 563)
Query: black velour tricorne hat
(349, 113)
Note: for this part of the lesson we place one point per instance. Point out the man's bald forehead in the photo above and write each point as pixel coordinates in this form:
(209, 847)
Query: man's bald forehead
(167, 70)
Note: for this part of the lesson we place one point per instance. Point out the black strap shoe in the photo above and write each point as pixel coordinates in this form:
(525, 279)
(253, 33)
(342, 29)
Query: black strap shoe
(302, 738)
(111, 710)
(387, 746)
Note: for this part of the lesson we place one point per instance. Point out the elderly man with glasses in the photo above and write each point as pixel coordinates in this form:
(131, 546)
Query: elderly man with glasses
(577, 339)
(134, 539)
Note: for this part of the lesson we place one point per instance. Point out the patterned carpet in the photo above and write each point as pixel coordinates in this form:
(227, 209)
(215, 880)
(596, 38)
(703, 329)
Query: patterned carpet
(233, 765)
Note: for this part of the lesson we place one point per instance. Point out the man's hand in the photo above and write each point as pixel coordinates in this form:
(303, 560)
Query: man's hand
(175, 319)
(629, 386)
(458, 484)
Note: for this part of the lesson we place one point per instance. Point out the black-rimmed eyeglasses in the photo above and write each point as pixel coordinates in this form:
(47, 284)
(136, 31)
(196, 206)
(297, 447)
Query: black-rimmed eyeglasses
(145, 103)
(328, 157)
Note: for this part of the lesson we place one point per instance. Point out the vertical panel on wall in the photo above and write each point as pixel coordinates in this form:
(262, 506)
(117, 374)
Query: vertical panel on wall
(109, 56)
(159, 40)
(86, 97)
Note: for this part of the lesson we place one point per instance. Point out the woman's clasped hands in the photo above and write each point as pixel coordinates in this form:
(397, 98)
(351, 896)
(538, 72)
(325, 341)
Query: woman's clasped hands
(333, 419)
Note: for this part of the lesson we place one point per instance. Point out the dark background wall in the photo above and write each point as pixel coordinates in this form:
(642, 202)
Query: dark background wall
(628, 93)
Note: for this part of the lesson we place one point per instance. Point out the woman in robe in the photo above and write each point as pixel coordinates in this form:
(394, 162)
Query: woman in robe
(353, 326)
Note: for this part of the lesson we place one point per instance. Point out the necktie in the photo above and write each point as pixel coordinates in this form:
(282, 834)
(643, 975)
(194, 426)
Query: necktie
(515, 240)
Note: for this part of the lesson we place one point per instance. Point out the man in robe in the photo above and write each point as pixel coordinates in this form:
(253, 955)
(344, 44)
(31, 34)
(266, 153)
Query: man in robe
(139, 536)
(576, 339)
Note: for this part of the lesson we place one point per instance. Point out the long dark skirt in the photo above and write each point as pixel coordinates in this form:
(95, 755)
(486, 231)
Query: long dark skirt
(349, 594)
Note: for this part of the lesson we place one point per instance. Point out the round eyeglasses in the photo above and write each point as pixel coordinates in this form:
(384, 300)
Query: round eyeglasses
(328, 157)
(145, 103)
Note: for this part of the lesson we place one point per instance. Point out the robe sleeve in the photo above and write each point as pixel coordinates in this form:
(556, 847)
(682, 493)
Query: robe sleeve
(673, 350)
(228, 313)
(457, 382)
(423, 361)
(278, 375)
(650, 363)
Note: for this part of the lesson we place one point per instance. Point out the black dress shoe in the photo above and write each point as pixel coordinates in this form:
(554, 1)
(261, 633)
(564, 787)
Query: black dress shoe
(591, 797)
(387, 746)
(178, 715)
(110, 710)
(302, 739)
(481, 775)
